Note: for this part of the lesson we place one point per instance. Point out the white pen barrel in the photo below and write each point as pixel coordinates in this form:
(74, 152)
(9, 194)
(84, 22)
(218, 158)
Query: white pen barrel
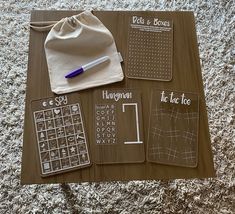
(94, 63)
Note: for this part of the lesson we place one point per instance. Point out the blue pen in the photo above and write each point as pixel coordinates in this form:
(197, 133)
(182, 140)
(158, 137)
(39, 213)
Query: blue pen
(86, 67)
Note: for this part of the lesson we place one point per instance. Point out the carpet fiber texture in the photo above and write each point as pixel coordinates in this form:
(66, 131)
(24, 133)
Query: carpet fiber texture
(216, 37)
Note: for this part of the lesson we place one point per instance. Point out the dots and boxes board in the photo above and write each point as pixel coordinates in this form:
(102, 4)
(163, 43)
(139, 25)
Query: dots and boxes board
(150, 39)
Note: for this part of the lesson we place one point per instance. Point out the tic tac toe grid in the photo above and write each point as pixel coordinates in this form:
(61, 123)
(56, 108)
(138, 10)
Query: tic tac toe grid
(173, 131)
(186, 77)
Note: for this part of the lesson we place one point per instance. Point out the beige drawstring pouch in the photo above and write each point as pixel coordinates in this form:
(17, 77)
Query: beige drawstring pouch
(75, 41)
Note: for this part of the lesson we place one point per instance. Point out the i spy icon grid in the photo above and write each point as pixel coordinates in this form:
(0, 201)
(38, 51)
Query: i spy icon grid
(61, 137)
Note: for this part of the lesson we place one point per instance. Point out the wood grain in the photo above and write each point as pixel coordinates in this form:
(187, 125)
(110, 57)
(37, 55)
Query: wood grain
(186, 77)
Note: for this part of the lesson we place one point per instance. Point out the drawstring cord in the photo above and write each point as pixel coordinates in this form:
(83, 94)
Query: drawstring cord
(47, 25)
(42, 25)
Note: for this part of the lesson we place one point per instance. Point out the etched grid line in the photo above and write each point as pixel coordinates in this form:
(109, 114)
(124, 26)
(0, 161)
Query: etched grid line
(157, 151)
(189, 155)
(172, 153)
(189, 137)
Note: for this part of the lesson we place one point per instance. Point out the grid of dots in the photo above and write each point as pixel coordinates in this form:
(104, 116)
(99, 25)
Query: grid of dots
(150, 55)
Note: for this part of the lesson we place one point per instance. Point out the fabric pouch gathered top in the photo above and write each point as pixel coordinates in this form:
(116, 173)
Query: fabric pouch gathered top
(75, 41)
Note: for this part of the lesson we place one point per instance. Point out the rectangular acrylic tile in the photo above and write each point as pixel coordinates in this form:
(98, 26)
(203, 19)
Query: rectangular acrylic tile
(60, 134)
(150, 48)
(118, 135)
(173, 130)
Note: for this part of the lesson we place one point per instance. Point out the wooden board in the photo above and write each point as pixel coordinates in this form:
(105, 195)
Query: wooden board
(186, 77)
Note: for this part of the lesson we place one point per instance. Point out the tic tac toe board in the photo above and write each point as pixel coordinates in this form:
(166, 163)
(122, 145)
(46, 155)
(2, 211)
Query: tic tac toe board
(173, 129)
(151, 125)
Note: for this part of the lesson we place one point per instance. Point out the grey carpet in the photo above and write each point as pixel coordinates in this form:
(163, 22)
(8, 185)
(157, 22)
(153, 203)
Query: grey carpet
(216, 37)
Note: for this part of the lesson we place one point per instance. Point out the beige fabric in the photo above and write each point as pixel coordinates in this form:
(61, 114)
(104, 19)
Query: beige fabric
(75, 41)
